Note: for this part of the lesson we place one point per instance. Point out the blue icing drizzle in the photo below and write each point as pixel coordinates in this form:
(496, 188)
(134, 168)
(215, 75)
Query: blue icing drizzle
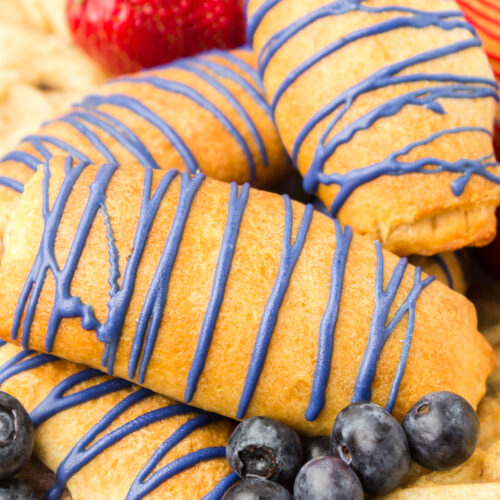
(290, 255)
(90, 135)
(37, 142)
(137, 107)
(235, 212)
(11, 184)
(91, 445)
(21, 157)
(381, 327)
(444, 266)
(225, 72)
(457, 87)
(328, 323)
(118, 131)
(151, 314)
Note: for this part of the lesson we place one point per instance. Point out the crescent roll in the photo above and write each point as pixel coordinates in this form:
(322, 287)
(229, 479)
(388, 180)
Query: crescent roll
(107, 438)
(387, 109)
(235, 300)
(484, 15)
(203, 113)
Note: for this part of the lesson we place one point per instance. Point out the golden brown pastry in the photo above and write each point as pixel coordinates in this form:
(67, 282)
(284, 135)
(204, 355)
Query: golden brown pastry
(236, 300)
(387, 109)
(451, 268)
(203, 113)
(108, 439)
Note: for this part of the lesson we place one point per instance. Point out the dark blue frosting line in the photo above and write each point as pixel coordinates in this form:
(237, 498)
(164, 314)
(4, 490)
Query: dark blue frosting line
(235, 212)
(11, 184)
(141, 110)
(88, 448)
(90, 135)
(151, 314)
(223, 485)
(202, 101)
(410, 306)
(224, 72)
(56, 401)
(186, 462)
(289, 257)
(328, 323)
(118, 131)
(147, 480)
(28, 159)
(381, 327)
(37, 142)
(255, 19)
(109, 332)
(23, 361)
(239, 63)
(444, 266)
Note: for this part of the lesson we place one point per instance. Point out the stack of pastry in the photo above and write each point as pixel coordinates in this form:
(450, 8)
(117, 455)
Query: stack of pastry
(127, 249)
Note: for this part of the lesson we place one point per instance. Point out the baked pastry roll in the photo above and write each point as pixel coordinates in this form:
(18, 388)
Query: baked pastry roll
(235, 300)
(387, 110)
(484, 15)
(451, 268)
(203, 113)
(108, 438)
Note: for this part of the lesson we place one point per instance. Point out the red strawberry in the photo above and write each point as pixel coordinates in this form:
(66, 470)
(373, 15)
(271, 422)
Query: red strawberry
(127, 35)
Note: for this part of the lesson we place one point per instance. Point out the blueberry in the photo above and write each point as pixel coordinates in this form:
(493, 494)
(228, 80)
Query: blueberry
(16, 436)
(442, 430)
(327, 478)
(263, 448)
(256, 489)
(13, 489)
(315, 447)
(372, 442)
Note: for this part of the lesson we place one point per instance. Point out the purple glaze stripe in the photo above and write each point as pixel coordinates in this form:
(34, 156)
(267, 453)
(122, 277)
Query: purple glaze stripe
(135, 106)
(99, 438)
(28, 159)
(329, 322)
(151, 314)
(236, 208)
(438, 259)
(290, 255)
(382, 327)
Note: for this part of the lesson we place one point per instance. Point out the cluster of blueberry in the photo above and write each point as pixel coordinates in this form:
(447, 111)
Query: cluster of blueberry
(16, 445)
(368, 451)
